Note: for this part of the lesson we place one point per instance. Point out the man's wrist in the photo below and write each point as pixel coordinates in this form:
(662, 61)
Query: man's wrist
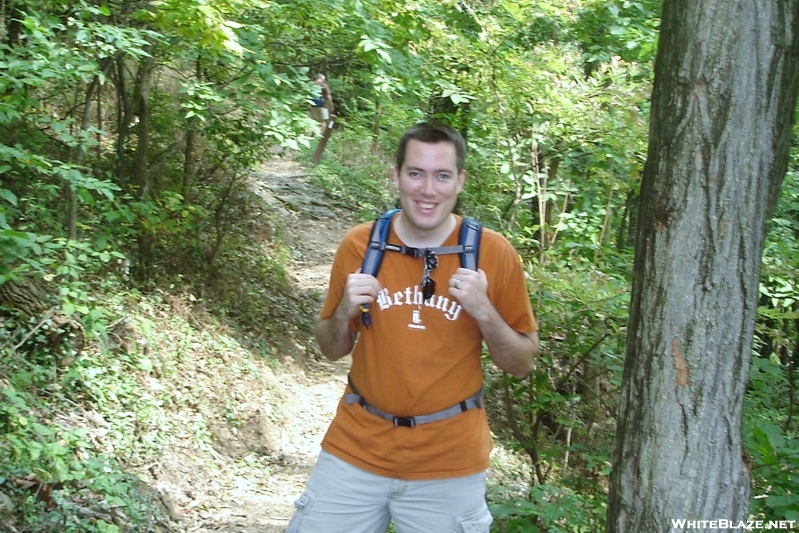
(341, 316)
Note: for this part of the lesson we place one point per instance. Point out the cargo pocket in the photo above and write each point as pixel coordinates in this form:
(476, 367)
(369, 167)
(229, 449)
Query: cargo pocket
(303, 506)
(477, 522)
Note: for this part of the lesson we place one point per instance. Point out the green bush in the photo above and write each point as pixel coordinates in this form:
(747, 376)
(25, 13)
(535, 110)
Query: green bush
(51, 468)
(549, 508)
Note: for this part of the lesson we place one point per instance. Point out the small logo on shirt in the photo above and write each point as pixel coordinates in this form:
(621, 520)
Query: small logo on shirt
(416, 320)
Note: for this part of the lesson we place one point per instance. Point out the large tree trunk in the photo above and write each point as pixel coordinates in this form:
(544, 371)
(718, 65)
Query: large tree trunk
(722, 112)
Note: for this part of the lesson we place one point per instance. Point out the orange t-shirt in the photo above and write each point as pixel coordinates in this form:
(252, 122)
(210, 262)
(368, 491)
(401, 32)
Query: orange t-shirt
(418, 358)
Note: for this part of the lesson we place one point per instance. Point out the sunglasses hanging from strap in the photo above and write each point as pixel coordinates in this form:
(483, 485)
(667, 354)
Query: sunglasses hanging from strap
(430, 256)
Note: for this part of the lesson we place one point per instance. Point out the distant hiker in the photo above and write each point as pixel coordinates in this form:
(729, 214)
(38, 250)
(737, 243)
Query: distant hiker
(410, 441)
(324, 95)
(322, 108)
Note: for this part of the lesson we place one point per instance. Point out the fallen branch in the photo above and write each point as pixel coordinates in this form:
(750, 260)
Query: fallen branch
(47, 316)
(6, 526)
(85, 512)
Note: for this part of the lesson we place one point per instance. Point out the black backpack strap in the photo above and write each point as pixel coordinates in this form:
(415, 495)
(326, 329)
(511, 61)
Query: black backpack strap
(377, 244)
(373, 256)
(471, 230)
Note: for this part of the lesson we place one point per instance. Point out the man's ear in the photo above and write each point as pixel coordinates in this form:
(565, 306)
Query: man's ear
(461, 180)
(395, 177)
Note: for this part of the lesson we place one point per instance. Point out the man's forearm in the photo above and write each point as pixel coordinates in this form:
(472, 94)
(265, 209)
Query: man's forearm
(511, 351)
(334, 337)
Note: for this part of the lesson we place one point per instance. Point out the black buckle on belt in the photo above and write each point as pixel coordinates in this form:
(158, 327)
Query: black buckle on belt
(404, 421)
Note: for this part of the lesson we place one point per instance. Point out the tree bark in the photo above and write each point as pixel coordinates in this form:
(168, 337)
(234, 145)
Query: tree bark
(376, 126)
(142, 180)
(79, 154)
(124, 119)
(189, 155)
(141, 175)
(722, 111)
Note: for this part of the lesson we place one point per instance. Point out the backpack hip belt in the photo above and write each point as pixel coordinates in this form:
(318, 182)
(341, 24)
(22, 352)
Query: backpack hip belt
(474, 401)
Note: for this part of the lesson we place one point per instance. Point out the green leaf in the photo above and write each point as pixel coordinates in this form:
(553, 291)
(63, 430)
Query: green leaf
(5, 193)
(787, 500)
(42, 430)
(34, 451)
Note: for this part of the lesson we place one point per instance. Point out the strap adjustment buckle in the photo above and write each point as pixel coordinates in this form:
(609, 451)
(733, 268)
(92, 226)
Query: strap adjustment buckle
(404, 421)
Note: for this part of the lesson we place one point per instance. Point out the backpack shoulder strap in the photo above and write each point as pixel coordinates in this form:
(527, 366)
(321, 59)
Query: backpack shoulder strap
(373, 256)
(469, 238)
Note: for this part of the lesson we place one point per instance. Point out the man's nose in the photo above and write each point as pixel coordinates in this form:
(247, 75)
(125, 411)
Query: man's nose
(428, 187)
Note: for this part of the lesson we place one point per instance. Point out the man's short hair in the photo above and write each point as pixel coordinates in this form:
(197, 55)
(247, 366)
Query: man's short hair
(432, 132)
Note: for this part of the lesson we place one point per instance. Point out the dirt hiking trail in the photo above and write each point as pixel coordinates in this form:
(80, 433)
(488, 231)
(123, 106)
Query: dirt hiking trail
(257, 496)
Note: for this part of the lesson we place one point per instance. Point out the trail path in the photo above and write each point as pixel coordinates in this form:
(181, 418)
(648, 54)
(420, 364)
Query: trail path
(260, 500)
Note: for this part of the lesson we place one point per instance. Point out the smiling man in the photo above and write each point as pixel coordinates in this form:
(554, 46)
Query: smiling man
(410, 440)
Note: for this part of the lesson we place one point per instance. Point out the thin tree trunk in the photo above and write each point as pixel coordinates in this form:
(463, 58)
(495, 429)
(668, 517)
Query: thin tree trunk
(606, 222)
(78, 155)
(101, 119)
(124, 119)
(219, 220)
(722, 110)
(541, 206)
(140, 166)
(141, 171)
(376, 127)
(189, 156)
(627, 228)
(793, 363)
(189, 165)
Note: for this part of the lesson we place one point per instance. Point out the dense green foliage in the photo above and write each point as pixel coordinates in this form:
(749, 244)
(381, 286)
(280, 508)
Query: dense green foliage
(129, 129)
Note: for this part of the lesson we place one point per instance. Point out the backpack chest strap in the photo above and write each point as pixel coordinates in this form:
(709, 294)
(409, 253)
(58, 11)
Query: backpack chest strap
(472, 402)
(419, 252)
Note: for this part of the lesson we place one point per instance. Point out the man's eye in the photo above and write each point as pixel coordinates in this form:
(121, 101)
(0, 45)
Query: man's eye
(443, 177)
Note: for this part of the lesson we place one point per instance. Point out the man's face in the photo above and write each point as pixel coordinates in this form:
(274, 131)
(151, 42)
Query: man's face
(428, 183)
